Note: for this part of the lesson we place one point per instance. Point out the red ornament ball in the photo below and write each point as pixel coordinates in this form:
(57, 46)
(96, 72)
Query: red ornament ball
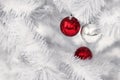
(83, 53)
(70, 26)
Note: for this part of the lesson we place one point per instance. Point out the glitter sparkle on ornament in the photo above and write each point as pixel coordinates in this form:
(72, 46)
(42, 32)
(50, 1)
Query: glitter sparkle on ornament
(70, 26)
(83, 53)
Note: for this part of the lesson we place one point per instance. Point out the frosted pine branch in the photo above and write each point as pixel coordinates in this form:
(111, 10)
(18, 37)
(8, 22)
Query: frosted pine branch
(28, 54)
(77, 69)
(20, 7)
(84, 10)
(109, 23)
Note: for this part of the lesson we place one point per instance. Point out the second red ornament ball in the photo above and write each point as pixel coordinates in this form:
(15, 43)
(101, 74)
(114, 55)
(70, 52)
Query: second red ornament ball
(83, 53)
(70, 26)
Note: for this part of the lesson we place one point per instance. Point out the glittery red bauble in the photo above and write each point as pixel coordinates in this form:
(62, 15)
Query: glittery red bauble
(70, 26)
(83, 53)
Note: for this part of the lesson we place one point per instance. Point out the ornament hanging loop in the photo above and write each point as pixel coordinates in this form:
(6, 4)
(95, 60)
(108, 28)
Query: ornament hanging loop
(70, 17)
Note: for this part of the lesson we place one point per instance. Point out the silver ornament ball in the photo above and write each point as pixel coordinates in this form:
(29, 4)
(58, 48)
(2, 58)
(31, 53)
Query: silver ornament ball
(91, 33)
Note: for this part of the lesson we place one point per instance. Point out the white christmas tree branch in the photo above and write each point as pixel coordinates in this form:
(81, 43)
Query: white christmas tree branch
(110, 27)
(77, 69)
(28, 52)
(20, 7)
(84, 10)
